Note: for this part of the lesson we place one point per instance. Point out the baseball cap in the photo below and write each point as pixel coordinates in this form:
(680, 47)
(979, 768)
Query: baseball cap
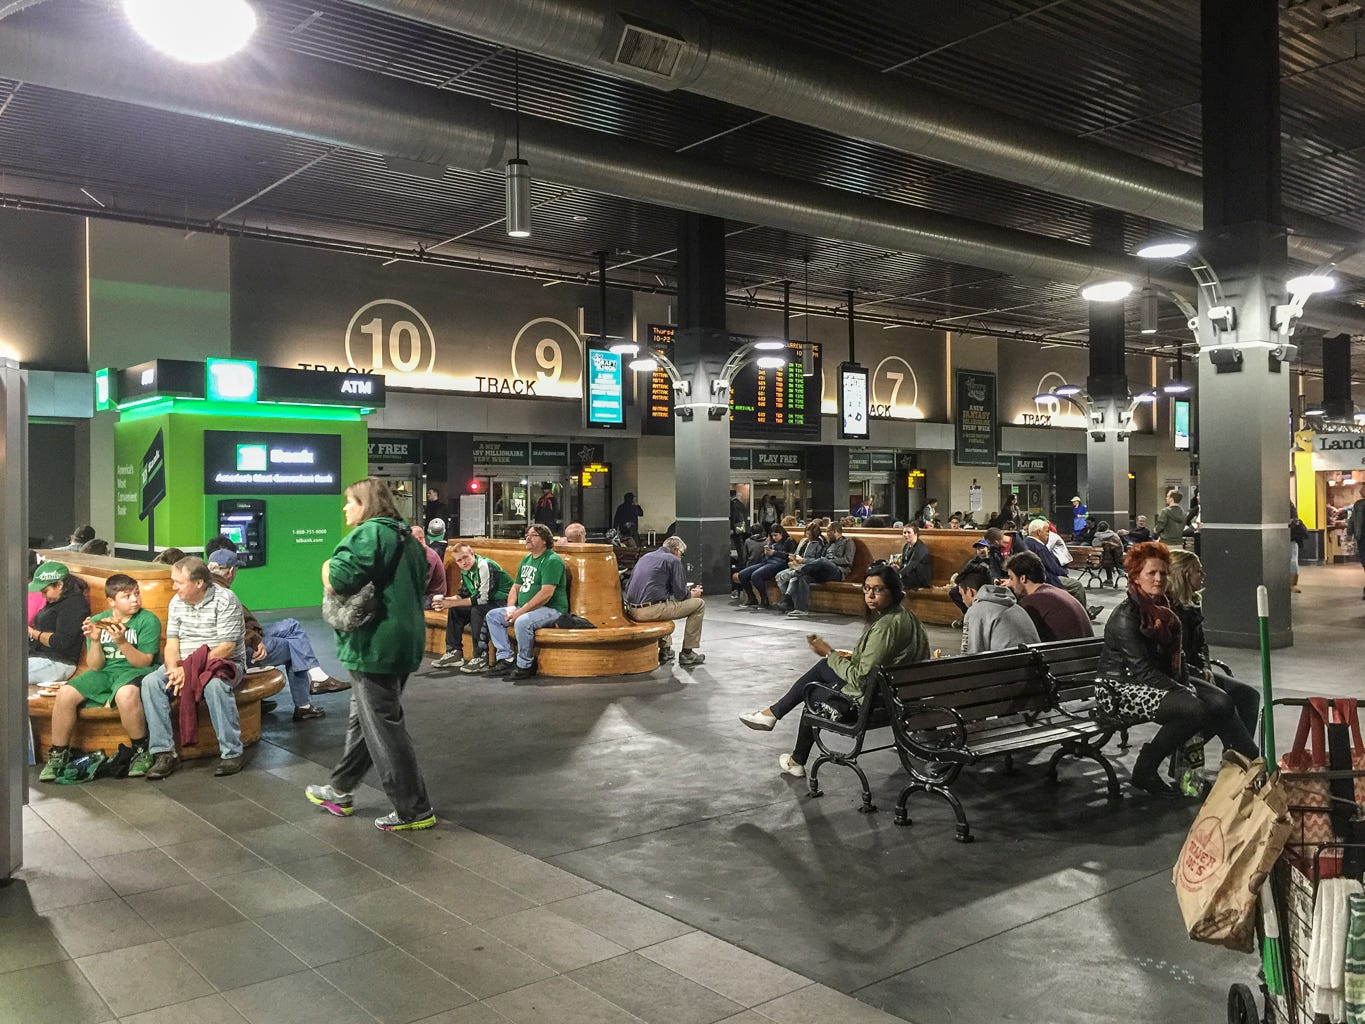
(983, 543)
(223, 559)
(436, 526)
(1076, 497)
(48, 573)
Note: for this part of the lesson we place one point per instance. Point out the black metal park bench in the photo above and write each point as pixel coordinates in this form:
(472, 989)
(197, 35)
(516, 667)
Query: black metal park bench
(947, 714)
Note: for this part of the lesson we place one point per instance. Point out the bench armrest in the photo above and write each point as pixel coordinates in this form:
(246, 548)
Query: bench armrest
(949, 746)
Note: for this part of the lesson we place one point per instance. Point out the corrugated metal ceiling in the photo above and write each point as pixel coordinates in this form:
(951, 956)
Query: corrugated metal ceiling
(1124, 73)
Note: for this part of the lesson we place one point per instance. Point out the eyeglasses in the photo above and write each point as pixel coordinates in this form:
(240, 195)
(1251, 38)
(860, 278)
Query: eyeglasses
(875, 590)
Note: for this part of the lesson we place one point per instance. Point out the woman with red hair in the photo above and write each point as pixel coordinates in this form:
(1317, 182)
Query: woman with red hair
(1148, 678)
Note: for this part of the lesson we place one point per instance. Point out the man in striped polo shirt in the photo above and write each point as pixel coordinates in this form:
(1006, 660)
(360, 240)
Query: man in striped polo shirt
(200, 615)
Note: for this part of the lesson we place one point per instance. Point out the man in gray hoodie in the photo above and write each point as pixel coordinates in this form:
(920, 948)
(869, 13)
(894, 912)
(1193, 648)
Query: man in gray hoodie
(994, 621)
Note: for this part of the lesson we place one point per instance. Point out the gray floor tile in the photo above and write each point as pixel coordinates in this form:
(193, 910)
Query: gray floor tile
(336, 876)
(214, 856)
(44, 845)
(538, 881)
(212, 1009)
(724, 968)
(619, 919)
(27, 940)
(400, 861)
(281, 844)
(321, 934)
(561, 1000)
(473, 1013)
(478, 962)
(237, 955)
(819, 1004)
(237, 815)
(51, 994)
(140, 871)
(551, 939)
(178, 826)
(296, 999)
(50, 886)
(655, 994)
(262, 892)
(394, 986)
(99, 927)
(182, 909)
(471, 896)
(399, 914)
(105, 838)
(143, 977)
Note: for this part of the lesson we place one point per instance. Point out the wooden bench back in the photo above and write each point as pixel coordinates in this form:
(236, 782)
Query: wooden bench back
(978, 687)
(153, 580)
(948, 549)
(1073, 664)
(594, 583)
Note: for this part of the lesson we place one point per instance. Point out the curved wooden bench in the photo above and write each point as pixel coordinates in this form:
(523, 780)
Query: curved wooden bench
(100, 728)
(617, 646)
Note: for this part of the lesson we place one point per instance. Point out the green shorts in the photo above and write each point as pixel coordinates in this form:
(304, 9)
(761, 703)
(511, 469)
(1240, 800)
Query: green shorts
(98, 686)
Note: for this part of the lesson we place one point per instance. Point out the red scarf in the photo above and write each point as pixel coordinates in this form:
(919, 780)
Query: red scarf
(1160, 623)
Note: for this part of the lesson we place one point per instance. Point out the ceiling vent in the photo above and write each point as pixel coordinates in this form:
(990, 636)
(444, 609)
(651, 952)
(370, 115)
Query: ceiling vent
(648, 49)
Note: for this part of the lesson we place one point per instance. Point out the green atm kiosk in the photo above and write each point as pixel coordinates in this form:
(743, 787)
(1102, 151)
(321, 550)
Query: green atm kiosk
(260, 454)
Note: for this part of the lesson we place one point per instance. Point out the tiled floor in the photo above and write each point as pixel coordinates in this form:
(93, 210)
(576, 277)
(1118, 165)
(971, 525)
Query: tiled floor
(618, 851)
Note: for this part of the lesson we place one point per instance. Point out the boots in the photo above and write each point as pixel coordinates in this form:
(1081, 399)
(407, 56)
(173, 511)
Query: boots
(1294, 584)
(1146, 774)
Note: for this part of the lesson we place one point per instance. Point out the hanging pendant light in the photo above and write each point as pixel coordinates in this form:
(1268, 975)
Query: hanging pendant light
(1148, 311)
(517, 175)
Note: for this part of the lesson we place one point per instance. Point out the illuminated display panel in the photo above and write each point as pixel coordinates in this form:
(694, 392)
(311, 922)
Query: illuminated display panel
(658, 417)
(776, 403)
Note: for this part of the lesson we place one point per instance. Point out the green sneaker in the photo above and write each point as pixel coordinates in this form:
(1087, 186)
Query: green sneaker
(56, 761)
(142, 760)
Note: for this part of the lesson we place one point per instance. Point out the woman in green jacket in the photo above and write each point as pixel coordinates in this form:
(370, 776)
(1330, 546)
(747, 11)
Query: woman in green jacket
(893, 637)
(379, 550)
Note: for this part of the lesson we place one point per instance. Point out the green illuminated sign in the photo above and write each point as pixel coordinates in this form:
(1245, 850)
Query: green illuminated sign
(252, 458)
(231, 380)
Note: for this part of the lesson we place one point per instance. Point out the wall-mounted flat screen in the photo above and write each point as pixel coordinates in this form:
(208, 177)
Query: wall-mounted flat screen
(778, 402)
(1180, 418)
(604, 389)
(853, 403)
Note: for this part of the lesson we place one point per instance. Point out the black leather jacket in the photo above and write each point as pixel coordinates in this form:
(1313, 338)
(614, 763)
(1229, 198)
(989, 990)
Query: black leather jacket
(1196, 648)
(1130, 656)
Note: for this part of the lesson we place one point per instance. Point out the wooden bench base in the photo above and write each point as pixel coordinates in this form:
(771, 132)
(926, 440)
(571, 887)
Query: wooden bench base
(101, 728)
(576, 653)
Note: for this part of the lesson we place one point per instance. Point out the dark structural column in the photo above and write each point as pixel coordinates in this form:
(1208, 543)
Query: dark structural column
(1106, 447)
(13, 638)
(1243, 385)
(701, 443)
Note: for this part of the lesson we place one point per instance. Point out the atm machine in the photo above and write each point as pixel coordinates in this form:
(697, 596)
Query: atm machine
(242, 521)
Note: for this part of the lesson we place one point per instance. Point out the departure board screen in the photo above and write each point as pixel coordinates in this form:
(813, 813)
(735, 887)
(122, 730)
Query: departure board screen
(781, 402)
(658, 418)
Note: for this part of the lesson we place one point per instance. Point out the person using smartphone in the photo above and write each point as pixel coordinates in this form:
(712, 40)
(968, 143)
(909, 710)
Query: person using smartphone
(892, 636)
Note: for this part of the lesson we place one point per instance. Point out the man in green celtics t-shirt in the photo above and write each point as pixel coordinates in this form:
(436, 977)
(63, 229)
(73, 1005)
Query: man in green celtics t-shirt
(122, 645)
(539, 596)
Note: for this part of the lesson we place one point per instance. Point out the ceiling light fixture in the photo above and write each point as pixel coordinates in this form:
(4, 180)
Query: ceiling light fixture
(770, 345)
(517, 178)
(644, 363)
(1148, 311)
(1107, 291)
(623, 348)
(196, 33)
(1311, 284)
(771, 362)
(1167, 250)
(1067, 390)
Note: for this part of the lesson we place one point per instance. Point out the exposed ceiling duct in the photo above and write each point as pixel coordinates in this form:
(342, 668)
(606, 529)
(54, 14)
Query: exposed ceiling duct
(338, 106)
(669, 44)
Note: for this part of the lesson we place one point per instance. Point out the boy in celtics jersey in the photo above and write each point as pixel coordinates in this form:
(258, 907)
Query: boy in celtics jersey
(122, 646)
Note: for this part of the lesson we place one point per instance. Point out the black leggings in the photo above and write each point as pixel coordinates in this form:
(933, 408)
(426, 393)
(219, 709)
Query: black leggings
(1208, 709)
(795, 698)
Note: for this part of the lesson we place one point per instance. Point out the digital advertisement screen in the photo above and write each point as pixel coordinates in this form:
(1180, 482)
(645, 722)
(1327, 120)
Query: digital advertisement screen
(781, 402)
(853, 402)
(256, 462)
(1180, 417)
(604, 384)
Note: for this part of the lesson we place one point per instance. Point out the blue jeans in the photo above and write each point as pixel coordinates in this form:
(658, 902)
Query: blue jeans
(822, 570)
(754, 580)
(525, 626)
(288, 647)
(222, 705)
(49, 670)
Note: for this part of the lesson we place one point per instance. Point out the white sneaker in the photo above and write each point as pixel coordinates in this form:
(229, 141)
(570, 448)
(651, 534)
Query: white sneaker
(761, 720)
(789, 767)
(451, 659)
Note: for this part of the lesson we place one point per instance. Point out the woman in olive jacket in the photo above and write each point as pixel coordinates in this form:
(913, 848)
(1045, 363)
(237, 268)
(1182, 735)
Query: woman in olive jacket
(1147, 678)
(379, 550)
(893, 637)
